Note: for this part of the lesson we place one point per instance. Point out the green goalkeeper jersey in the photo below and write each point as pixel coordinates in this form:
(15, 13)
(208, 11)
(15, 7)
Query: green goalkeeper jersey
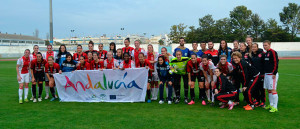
(179, 65)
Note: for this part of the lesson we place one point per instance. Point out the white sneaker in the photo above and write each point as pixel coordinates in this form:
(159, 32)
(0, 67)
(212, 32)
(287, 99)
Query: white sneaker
(34, 100)
(56, 96)
(31, 98)
(169, 102)
(40, 99)
(47, 96)
(161, 102)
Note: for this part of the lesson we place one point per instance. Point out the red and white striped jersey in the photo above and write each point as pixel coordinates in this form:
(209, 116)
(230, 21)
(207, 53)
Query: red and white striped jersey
(24, 64)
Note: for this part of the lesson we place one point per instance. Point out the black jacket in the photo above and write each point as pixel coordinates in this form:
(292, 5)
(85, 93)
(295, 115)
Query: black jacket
(247, 71)
(223, 85)
(271, 62)
(257, 60)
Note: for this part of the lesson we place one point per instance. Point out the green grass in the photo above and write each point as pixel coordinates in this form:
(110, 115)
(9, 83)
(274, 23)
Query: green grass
(47, 114)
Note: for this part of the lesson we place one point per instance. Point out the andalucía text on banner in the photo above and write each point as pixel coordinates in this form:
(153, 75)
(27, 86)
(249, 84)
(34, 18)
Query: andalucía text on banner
(127, 85)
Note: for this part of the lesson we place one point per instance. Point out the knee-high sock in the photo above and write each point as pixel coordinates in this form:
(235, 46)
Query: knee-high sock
(47, 90)
(52, 91)
(34, 90)
(275, 100)
(20, 93)
(212, 97)
(25, 93)
(148, 93)
(192, 93)
(270, 98)
(40, 90)
(186, 92)
(202, 93)
(208, 94)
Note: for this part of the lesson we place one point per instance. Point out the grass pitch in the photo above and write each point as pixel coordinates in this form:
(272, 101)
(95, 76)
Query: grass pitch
(56, 114)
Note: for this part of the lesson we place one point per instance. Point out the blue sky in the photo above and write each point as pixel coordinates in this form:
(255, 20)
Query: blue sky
(98, 17)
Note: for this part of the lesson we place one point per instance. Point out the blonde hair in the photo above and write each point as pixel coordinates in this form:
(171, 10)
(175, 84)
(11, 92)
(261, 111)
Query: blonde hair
(238, 54)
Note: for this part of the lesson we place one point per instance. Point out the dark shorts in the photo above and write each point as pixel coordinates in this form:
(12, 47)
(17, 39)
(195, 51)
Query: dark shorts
(39, 77)
(200, 78)
(150, 78)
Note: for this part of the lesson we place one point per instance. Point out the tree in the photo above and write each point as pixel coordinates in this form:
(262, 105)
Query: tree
(241, 21)
(257, 26)
(206, 28)
(274, 32)
(290, 17)
(177, 31)
(223, 30)
(192, 35)
(161, 42)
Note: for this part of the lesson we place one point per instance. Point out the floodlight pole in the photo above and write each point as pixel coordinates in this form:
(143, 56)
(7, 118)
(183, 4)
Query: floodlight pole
(51, 22)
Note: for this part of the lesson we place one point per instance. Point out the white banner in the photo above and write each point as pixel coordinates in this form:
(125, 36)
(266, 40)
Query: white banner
(127, 85)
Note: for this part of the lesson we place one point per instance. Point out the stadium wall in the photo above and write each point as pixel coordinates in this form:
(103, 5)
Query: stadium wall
(284, 49)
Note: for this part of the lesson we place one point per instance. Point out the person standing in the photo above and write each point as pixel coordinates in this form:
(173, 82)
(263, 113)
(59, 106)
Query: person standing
(61, 56)
(185, 51)
(22, 68)
(38, 75)
(135, 53)
(33, 57)
(165, 78)
(127, 48)
(236, 44)
(194, 73)
(91, 48)
(212, 53)
(113, 48)
(257, 60)
(152, 58)
(225, 50)
(271, 62)
(178, 68)
(79, 53)
(101, 53)
(195, 50)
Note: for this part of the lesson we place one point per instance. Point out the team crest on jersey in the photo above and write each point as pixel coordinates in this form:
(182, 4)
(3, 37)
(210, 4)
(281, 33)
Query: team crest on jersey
(259, 55)
(268, 54)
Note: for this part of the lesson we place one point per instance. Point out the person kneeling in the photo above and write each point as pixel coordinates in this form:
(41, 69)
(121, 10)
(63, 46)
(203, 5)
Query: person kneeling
(224, 90)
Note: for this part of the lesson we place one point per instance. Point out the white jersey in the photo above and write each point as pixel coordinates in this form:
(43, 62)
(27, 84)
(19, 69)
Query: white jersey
(46, 55)
(133, 53)
(114, 63)
(131, 64)
(155, 58)
(24, 65)
(118, 62)
(206, 68)
(229, 66)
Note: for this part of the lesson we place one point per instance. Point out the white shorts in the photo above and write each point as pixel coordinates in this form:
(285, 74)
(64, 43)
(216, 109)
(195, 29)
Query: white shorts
(269, 82)
(155, 76)
(214, 78)
(25, 78)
